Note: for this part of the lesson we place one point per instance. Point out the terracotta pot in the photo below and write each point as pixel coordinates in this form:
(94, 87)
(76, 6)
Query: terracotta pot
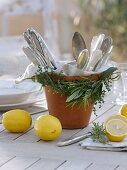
(76, 117)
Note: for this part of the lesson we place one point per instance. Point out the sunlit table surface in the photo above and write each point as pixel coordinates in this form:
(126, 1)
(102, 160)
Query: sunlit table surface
(19, 151)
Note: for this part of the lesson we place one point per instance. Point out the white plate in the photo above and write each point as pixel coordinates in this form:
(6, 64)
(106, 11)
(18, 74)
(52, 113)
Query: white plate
(18, 105)
(11, 93)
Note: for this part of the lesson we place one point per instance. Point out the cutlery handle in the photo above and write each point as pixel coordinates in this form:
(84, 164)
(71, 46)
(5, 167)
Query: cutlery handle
(99, 42)
(72, 140)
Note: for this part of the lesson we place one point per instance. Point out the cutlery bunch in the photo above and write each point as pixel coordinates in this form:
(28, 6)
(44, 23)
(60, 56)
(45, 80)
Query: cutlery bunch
(100, 51)
(38, 51)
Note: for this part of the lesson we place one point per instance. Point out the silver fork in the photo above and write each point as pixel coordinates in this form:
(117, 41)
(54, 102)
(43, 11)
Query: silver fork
(42, 48)
(33, 50)
(33, 56)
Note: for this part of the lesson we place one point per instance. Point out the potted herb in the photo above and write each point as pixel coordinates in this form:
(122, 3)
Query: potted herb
(72, 98)
(71, 94)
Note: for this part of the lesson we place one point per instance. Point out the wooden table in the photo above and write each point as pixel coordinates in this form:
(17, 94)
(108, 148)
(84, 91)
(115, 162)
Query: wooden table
(25, 151)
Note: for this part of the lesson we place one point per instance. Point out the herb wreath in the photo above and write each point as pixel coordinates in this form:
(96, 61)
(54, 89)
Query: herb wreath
(78, 91)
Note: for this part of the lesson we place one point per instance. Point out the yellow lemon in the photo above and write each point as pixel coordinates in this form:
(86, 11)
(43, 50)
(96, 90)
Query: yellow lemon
(123, 110)
(17, 120)
(116, 116)
(116, 130)
(47, 127)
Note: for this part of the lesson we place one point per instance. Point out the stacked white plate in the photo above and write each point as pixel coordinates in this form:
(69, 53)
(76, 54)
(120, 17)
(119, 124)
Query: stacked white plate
(20, 95)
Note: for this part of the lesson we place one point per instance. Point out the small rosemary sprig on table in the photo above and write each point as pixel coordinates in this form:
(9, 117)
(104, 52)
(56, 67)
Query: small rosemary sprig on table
(98, 133)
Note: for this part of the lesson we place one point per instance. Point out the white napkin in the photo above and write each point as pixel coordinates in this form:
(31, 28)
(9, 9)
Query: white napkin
(111, 146)
(68, 68)
(29, 72)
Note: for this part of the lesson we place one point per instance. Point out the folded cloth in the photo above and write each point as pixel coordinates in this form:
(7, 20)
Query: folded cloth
(29, 72)
(68, 68)
(88, 143)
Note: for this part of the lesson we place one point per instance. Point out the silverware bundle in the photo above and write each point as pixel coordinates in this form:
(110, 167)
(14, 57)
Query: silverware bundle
(38, 51)
(100, 51)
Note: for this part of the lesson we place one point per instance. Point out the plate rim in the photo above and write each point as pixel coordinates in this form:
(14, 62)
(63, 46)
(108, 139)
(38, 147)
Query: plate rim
(23, 93)
(28, 92)
(22, 103)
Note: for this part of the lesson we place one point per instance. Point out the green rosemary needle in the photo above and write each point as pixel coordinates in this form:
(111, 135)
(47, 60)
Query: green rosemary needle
(98, 133)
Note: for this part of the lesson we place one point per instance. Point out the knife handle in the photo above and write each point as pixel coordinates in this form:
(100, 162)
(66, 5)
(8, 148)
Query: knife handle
(72, 140)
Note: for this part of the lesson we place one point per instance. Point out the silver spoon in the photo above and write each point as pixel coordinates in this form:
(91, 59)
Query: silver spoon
(106, 44)
(99, 41)
(96, 56)
(95, 52)
(106, 52)
(78, 44)
(93, 42)
(103, 60)
(82, 59)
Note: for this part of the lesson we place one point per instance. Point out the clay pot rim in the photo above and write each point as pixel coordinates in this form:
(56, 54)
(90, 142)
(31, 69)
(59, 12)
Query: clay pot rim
(71, 78)
(91, 77)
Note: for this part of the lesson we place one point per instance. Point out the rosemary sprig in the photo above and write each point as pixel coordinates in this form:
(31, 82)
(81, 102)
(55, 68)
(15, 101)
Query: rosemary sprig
(98, 133)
